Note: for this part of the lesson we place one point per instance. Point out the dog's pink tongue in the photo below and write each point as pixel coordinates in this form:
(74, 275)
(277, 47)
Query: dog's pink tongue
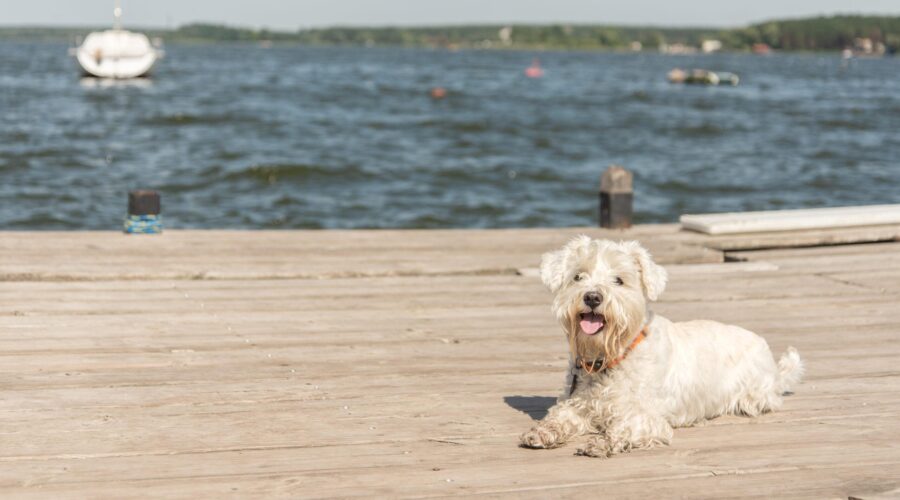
(591, 323)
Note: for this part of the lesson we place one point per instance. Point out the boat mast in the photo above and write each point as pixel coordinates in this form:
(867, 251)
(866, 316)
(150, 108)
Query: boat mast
(117, 15)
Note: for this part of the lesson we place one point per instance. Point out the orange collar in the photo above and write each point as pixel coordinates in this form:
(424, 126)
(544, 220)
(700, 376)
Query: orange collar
(594, 365)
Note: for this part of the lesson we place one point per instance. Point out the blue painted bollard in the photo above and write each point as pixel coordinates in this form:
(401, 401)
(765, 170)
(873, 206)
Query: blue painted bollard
(143, 213)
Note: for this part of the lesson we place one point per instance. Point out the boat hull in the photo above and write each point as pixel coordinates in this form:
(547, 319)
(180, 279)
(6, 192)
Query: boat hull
(117, 54)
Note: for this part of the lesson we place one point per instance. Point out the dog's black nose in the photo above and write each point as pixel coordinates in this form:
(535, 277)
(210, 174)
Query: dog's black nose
(592, 299)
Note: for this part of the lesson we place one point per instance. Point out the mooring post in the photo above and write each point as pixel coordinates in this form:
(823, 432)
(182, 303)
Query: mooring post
(143, 213)
(616, 198)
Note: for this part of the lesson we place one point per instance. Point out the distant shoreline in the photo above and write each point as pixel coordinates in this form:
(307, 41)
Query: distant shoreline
(871, 35)
(521, 49)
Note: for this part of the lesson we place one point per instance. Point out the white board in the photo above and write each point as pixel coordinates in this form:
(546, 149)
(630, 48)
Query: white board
(792, 220)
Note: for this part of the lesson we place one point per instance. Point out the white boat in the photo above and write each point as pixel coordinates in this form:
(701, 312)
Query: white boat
(117, 53)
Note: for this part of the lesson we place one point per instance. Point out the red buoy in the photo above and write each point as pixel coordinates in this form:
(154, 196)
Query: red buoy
(534, 71)
(438, 93)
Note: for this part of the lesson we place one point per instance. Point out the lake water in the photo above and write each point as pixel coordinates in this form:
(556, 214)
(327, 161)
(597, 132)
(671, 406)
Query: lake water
(237, 136)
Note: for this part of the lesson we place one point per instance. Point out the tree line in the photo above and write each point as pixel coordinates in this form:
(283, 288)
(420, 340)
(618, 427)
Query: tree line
(812, 34)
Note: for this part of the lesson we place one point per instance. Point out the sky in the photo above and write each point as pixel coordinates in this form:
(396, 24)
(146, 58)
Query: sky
(294, 14)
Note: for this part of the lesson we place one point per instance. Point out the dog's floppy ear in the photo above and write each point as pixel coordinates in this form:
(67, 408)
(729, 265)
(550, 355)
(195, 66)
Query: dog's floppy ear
(553, 269)
(553, 264)
(653, 276)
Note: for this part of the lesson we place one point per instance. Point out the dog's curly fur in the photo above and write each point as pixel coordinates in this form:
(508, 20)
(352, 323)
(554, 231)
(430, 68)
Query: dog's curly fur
(681, 374)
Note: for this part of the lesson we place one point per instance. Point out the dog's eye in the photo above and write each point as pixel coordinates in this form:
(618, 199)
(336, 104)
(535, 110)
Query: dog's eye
(579, 277)
(619, 281)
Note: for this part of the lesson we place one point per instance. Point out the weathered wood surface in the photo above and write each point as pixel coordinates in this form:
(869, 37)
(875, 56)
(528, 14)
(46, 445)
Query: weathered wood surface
(792, 220)
(62, 256)
(305, 254)
(379, 381)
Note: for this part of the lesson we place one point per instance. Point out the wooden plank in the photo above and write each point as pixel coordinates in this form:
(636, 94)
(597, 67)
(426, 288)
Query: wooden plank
(792, 220)
(190, 254)
(199, 255)
(858, 252)
(324, 471)
(802, 238)
(828, 259)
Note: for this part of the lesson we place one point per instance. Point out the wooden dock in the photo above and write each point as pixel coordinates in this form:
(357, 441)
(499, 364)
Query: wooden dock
(405, 364)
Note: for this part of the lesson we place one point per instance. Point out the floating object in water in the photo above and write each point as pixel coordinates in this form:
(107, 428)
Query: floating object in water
(117, 53)
(762, 49)
(703, 77)
(438, 93)
(726, 78)
(534, 71)
(677, 75)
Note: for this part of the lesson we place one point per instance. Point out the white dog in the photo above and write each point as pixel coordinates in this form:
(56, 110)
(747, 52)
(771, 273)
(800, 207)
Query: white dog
(634, 375)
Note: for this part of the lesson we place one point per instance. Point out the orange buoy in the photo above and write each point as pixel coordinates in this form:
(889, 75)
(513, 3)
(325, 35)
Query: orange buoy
(438, 93)
(534, 71)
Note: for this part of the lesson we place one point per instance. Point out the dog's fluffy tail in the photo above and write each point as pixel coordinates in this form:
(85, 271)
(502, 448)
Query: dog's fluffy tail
(790, 369)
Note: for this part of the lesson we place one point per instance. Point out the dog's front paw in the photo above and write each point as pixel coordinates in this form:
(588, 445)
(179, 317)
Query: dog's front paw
(597, 447)
(541, 436)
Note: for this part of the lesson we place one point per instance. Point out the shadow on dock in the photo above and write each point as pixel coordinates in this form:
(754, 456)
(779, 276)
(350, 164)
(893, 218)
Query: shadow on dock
(535, 406)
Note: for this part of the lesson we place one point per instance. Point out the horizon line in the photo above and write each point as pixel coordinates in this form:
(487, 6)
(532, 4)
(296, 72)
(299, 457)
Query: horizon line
(453, 25)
